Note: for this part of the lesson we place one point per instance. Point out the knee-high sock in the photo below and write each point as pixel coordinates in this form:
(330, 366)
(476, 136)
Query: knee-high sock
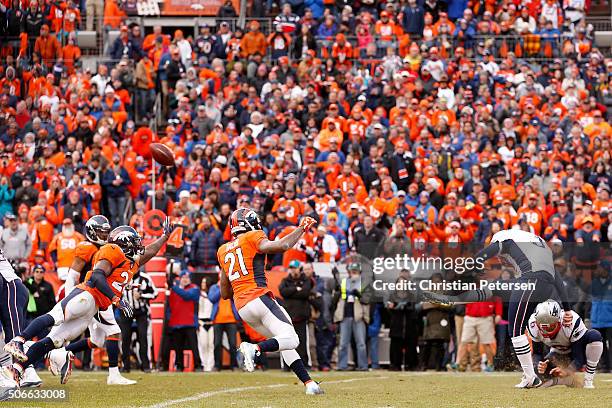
(300, 371)
(593, 353)
(37, 326)
(37, 351)
(80, 345)
(112, 349)
(523, 353)
(268, 345)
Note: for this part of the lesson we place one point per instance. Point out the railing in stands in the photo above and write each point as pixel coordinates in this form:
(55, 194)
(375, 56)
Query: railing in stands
(600, 23)
(532, 47)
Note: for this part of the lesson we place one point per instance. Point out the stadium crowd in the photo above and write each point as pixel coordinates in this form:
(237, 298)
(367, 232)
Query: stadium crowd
(394, 124)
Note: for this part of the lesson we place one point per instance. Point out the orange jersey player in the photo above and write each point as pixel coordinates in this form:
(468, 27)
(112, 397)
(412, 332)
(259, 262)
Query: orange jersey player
(97, 229)
(114, 265)
(243, 277)
(63, 246)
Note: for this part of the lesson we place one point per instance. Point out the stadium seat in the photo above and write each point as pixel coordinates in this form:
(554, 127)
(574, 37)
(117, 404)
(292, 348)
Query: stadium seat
(87, 39)
(603, 39)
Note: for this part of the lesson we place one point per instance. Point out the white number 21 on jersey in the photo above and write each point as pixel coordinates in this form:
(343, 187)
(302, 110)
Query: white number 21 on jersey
(231, 258)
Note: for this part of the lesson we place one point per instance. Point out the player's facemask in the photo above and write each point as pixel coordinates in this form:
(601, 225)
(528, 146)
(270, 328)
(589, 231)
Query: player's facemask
(549, 329)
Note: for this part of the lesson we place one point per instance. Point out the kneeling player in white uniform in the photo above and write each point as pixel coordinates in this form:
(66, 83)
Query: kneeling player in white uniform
(571, 347)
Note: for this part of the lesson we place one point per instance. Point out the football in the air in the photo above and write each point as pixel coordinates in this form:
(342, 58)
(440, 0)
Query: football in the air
(162, 154)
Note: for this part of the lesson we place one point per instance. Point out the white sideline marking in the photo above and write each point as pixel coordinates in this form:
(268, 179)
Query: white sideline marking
(209, 394)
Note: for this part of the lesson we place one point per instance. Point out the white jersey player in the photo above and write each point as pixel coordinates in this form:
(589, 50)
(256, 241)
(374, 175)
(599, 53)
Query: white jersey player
(573, 346)
(525, 251)
(532, 261)
(14, 298)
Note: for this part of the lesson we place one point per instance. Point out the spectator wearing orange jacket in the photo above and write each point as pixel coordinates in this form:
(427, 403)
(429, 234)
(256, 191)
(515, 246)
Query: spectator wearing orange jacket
(71, 53)
(253, 42)
(113, 15)
(47, 46)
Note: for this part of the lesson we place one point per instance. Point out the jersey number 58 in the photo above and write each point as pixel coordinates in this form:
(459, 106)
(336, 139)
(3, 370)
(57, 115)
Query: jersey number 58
(231, 258)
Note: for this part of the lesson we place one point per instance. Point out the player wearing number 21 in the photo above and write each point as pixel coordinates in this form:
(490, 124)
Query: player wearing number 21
(243, 277)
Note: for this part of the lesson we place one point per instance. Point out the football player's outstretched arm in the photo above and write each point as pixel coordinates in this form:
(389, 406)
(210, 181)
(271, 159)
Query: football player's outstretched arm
(153, 248)
(288, 241)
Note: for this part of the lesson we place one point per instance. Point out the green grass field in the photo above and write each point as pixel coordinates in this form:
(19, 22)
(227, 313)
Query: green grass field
(347, 389)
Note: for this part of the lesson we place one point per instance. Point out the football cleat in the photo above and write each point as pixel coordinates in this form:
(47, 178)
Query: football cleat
(588, 384)
(118, 379)
(15, 349)
(313, 388)
(60, 363)
(436, 298)
(30, 378)
(246, 356)
(534, 382)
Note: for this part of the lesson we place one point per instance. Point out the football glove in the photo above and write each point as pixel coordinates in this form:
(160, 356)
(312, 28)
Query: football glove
(307, 222)
(122, 305)
(168, 227)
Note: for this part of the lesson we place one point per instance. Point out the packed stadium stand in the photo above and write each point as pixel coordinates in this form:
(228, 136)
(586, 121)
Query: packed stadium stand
(394, 123)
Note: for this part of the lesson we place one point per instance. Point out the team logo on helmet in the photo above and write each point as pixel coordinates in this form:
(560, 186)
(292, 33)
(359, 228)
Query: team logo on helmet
(548, 318)
(128, 240)
(244, 220)
(97, 229)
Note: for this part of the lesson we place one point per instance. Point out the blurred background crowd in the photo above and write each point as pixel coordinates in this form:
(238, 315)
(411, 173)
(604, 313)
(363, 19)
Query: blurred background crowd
(399, 126)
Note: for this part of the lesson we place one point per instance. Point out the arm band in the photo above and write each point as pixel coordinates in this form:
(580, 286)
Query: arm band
(98, 281)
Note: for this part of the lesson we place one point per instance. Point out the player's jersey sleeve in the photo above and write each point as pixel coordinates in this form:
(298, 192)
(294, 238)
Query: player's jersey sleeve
(533, 330)
(254, 239)
(577, 329)
(85, 250)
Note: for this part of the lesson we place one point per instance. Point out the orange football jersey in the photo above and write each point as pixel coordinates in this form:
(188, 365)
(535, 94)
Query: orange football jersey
(86, 251)
(243, 264)
(122, 272)
(65, 248)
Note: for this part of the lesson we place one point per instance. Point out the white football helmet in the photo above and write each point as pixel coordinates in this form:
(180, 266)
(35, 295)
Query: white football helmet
(548, 316)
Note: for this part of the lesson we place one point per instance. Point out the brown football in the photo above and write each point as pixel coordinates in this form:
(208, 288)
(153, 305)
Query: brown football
(162, 154)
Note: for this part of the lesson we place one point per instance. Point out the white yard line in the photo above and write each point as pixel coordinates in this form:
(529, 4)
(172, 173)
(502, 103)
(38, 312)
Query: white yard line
(208, 394)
